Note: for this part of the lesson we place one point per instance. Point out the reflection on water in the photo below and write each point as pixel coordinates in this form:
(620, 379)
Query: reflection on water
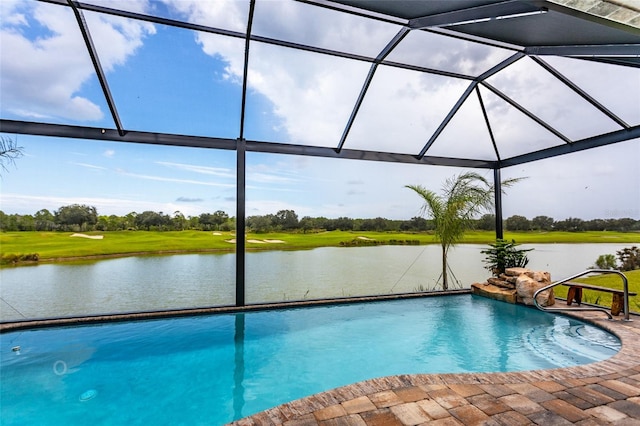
(117, 285)
(238, 371)
(148, 283)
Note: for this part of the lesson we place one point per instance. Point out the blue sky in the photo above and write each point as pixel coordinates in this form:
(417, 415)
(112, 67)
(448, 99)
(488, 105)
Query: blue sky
(179, 81)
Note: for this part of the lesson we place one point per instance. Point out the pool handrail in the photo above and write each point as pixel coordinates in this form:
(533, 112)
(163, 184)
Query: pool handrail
(625, 283)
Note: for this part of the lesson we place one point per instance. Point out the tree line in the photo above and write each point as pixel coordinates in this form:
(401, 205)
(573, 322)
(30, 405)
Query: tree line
(83, 218)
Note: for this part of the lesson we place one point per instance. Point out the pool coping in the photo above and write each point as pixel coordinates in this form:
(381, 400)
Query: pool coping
(8, 326)
(604, 392)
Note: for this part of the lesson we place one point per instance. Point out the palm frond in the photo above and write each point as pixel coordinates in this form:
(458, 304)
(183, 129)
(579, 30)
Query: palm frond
(463, 198)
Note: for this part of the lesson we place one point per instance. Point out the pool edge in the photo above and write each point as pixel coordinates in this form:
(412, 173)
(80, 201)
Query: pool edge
(8, 326)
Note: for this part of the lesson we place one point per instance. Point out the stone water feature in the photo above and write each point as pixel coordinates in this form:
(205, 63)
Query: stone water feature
(517, 285)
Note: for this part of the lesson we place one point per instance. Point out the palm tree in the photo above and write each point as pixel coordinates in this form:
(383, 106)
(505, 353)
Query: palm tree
(464, 197)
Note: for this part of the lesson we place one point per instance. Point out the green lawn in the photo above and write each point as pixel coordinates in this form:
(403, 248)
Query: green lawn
(60, 245)
(610, 281)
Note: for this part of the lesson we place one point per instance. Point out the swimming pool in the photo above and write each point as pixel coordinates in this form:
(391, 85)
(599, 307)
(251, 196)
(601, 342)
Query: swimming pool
(214, 369)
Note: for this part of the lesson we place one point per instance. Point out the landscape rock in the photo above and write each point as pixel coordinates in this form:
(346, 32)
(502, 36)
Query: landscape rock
(508, 279)
(526, 286)
(494, 292)
(539, 276)
(517, 285)
(501, 283)
(516, 272)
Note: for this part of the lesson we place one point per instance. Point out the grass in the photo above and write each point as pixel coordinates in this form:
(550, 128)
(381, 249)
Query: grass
(60, 246)
(573, 237)
(609, 281)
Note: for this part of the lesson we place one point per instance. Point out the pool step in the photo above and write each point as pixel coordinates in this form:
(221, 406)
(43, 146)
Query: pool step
(566, 344)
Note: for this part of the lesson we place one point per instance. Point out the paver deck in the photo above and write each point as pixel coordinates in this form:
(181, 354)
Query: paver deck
(602, 393)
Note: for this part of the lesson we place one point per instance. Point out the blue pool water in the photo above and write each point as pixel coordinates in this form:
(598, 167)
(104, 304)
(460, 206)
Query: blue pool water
(210, 370)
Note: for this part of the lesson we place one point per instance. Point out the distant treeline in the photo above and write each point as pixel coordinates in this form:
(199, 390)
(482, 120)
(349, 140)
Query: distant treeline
(85, 218)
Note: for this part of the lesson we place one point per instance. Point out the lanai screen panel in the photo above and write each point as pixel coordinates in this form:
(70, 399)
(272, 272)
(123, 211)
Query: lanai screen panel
(467, 135)
(367, 79)
(562, 108)
(398, 113)
(300, 97)
(614, 88)
(177, 81)
(448, 54)
(307, 25)
(35, 36)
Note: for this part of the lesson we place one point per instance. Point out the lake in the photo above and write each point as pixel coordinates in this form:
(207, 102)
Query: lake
(148, 283)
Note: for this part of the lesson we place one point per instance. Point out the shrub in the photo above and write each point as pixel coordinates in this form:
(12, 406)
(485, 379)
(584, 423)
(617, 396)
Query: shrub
(503, 255)
(606, 261)
(629, 258)
(12, 259)
(9, 259)
(358, 242)
(404, 242)
(30, 257)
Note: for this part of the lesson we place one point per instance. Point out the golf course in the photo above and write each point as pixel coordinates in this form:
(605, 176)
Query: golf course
(61, 246)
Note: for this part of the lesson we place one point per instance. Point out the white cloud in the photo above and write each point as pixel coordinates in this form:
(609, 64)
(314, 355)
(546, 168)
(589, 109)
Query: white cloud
(41, 71)
(447, 53)
(551, 100)
(90, 166)
(312, 94)
(620, 93)
(229, 15)
(402, 109)
(115, 38)
(175, 180)
(321, 27)
(285, 173)
(268, 178)
(189, 200)
(10, 14)
(206, 170)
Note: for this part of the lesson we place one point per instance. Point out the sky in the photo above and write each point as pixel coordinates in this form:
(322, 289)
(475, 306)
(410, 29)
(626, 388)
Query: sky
(178, 81)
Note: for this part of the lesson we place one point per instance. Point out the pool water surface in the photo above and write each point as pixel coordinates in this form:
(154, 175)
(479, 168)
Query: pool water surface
(214, 369)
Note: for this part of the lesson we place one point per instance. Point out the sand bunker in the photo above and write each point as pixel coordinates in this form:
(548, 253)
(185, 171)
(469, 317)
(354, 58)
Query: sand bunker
(365, 238)
(217, 233)
(93, 237)
(233, 241)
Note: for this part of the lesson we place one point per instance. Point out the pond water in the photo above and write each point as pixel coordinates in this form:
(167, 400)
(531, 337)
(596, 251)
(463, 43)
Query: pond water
(148, 283)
